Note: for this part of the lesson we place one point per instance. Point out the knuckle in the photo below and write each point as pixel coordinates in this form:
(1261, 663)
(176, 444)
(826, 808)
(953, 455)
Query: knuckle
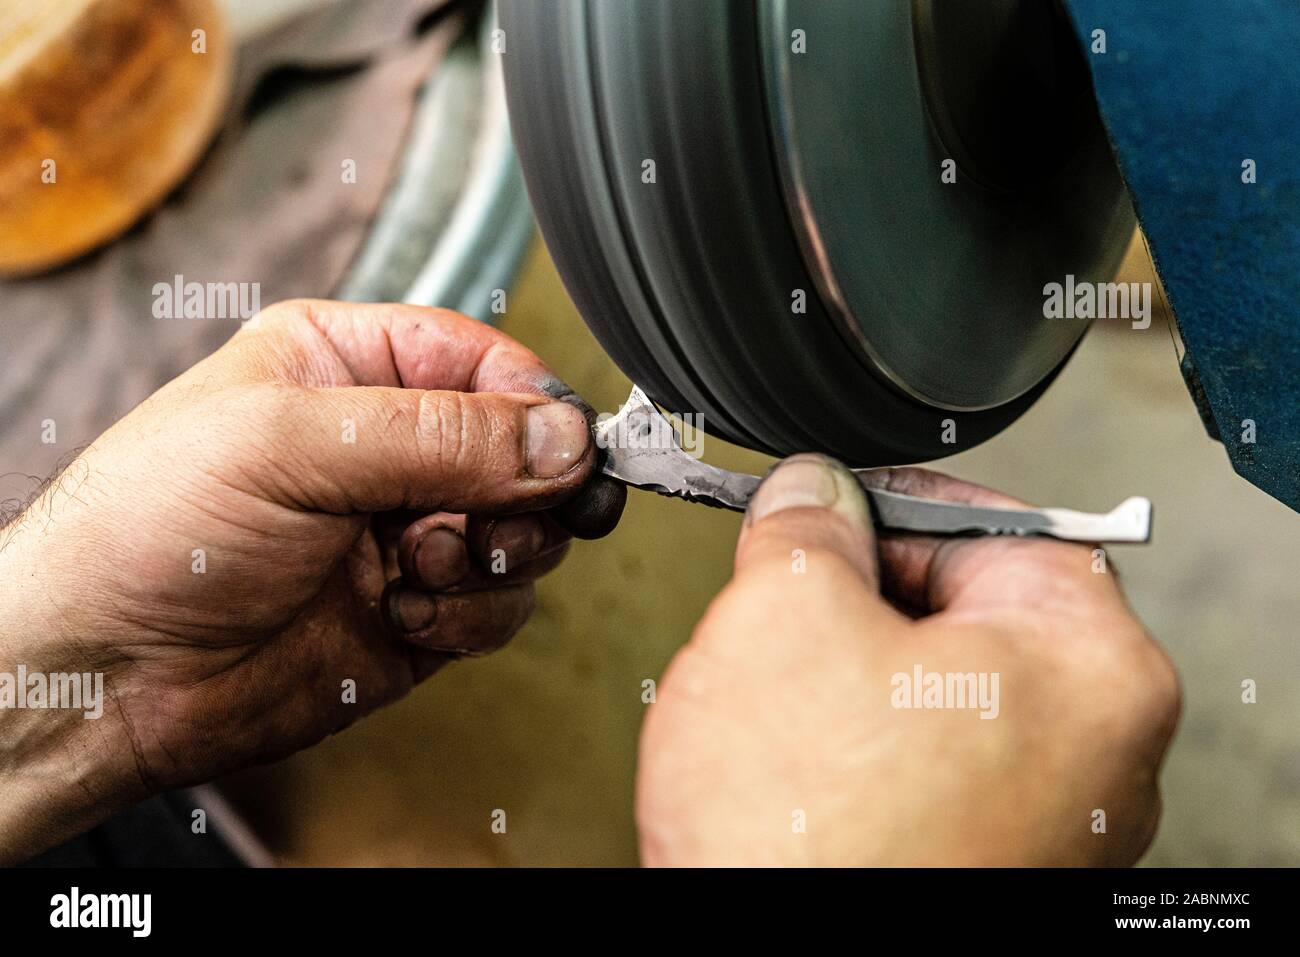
(285, 312)
(268, 407)
(831, 571)
(782, 572)
(443, 425)
(258, 426)
(770, 589)
(467, 436)
(822, 542)
(1164, 701)
(1139, 690)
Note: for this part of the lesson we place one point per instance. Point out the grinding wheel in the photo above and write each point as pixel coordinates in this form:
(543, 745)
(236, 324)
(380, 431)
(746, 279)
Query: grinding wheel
(747, 203)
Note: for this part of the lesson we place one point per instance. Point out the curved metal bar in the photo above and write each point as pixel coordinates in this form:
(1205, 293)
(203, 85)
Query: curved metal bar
(456, 224)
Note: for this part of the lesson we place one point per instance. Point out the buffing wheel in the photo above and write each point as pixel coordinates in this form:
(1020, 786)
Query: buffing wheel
(747, 204)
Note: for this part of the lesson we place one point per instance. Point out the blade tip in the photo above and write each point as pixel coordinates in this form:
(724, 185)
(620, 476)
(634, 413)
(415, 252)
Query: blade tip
(1136, 513)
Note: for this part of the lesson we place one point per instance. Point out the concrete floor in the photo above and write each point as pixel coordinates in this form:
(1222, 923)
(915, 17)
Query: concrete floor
(546, 730)
(1217, 586)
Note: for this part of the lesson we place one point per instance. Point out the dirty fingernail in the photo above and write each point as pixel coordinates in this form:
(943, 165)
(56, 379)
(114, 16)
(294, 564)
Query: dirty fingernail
(441, 560)
(412, 610)
(514, 542)
(809, 481)
(557, 439)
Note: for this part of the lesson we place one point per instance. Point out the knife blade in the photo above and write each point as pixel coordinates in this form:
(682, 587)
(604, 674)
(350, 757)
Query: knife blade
(641, 448)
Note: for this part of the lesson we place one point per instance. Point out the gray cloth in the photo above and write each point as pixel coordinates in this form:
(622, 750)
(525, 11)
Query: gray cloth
(268, 204)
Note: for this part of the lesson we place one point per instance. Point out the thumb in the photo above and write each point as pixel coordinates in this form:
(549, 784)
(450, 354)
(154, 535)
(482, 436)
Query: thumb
(371, 449)
(811, 515)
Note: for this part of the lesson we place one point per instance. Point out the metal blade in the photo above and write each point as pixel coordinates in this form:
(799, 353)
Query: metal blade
(642, 449)
(1128, 522)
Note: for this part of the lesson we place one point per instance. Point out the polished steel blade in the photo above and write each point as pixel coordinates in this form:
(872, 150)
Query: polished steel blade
(641, 449)
(1128, 522)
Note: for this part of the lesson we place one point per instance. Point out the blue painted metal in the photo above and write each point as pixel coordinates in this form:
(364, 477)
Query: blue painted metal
(1191, 90)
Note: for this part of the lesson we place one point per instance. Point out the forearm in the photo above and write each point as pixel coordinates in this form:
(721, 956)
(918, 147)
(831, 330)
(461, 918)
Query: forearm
(57, 779)
(66, 759)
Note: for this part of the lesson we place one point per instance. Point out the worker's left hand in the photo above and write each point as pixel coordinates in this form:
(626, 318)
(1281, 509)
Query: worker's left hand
(276, 543)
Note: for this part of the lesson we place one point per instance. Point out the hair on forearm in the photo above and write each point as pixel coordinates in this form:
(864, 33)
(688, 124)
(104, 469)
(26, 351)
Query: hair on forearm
(14, 510)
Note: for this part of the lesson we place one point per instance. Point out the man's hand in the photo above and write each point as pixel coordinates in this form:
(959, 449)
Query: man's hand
(276, 543)
(792, 730)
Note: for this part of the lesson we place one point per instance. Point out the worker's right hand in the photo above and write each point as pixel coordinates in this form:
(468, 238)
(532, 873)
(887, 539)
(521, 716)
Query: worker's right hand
(788, 730)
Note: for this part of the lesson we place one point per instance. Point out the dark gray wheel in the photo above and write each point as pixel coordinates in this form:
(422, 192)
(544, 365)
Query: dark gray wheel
(784, 179)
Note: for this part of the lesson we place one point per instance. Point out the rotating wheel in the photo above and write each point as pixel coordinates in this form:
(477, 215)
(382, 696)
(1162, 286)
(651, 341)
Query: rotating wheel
(825, 225)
